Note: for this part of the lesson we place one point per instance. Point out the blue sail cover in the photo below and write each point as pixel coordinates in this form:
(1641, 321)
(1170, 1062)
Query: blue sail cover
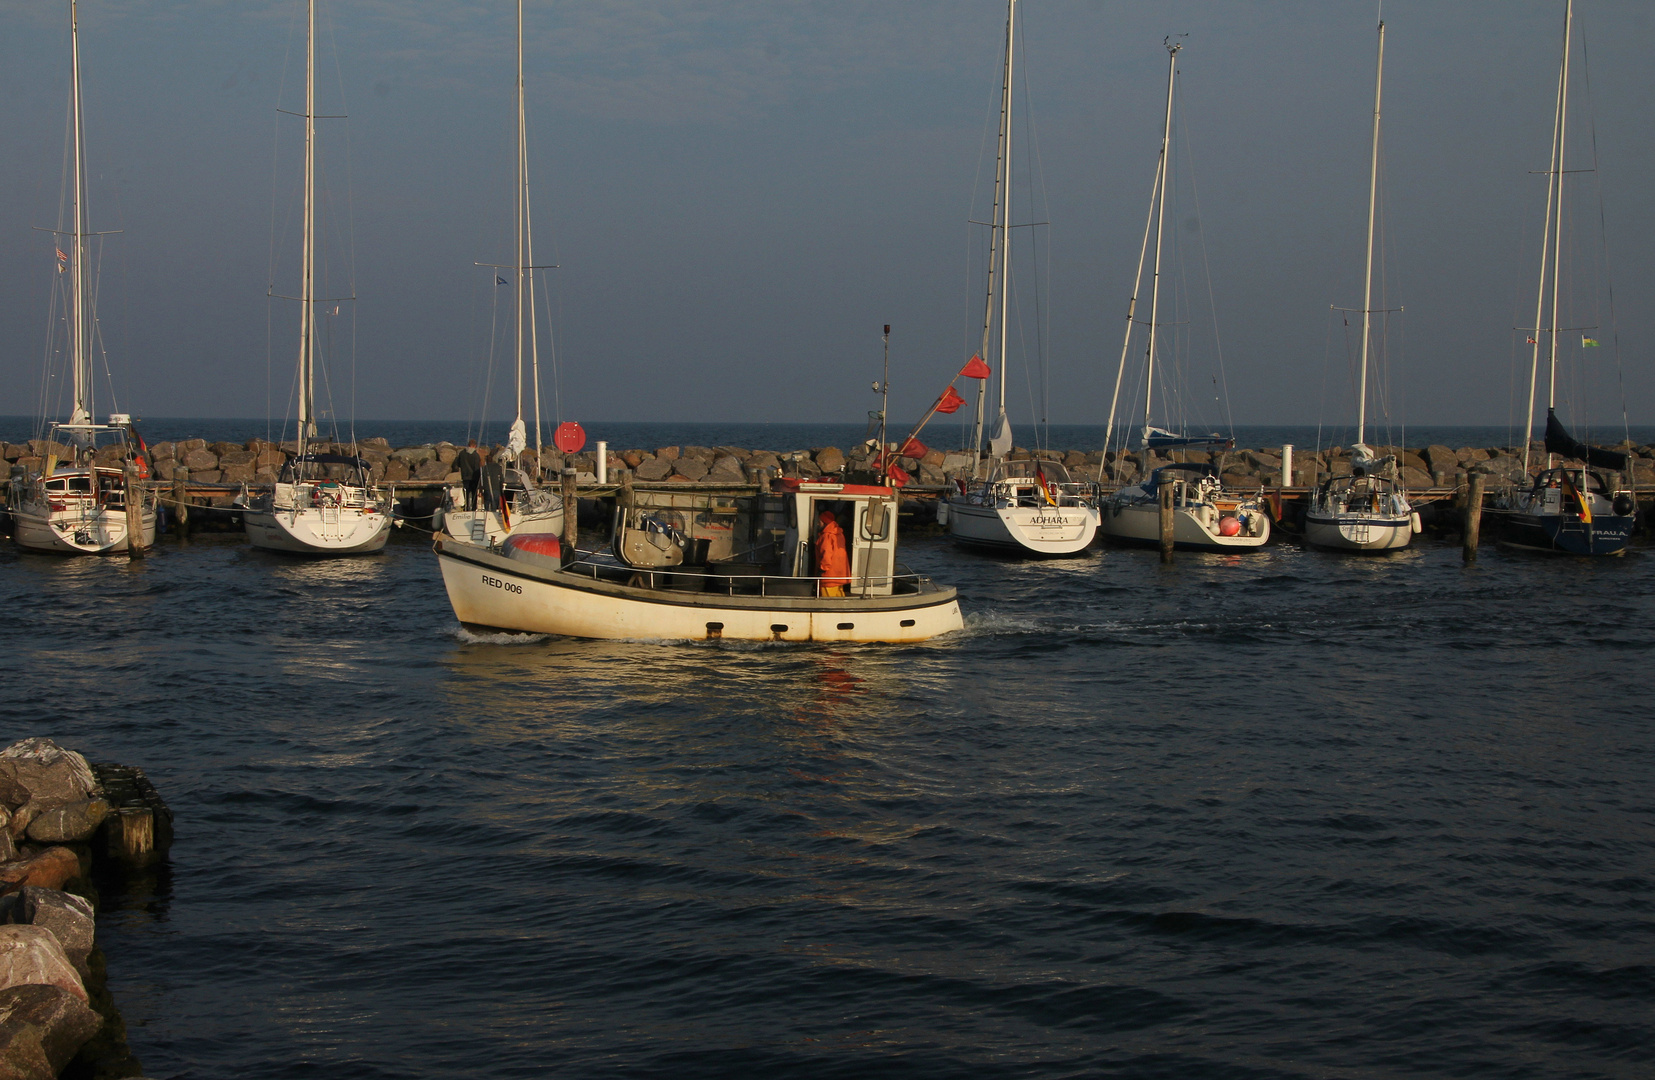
(1159, 438)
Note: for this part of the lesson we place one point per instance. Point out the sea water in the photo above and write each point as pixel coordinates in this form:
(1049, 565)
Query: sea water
(1278, 814)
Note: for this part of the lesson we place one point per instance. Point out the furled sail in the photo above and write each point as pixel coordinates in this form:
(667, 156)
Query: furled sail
(1559, 441)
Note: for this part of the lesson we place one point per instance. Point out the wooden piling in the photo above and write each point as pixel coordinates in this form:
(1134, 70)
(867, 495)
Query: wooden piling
(180, 504)
(571, 514)
(134, 513)
(1167, 520)
(1473, 517)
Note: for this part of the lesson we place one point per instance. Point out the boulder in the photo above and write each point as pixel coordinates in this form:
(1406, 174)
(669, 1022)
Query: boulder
(33, 955)
(930, 475)
(12, 451)
(656, 468)
(447, 452)
(829, 459)
(1415, 479)
(396, 471)
(237, 474)
(67, 916)
(763, 459)
(38, 769)
(726, 470)
(206, 476)
(237, 457)
(954, 463)
(739, 453)
(431, 469)
(634, 458)
(199, 460)
(414, 455)
(44, 1026)
(703, 454)
(376, 443)
(46, 447)
(8, 846)
(67, 823)
(690, 468)
(669, 453)
(48, 869)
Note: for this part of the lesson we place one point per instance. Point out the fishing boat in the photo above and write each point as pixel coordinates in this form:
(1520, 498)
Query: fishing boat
(322, 503)
(1206, 517)
(1368, 508)
(695, 566)
(1575, 506)
(522, 506)
(1022, 507)
(77, 503)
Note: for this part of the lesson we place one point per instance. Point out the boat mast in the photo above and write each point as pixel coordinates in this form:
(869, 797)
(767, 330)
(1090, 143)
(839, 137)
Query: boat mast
(1367, 268)
(1005, 211)
(1160, 222)
(1131, 311)
(307, 287)
(997, 237)
(1554, 206)
(522, 211)
(1557, 218)
(78, 344)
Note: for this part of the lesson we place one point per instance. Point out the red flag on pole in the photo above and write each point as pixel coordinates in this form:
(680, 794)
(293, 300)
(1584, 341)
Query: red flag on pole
(913, 448)
(975, 368)
(950, 400)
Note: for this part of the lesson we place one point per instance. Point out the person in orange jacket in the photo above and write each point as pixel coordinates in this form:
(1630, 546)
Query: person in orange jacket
(832, 558)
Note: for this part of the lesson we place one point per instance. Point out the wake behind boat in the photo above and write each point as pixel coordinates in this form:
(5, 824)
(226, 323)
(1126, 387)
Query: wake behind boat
(707, 567)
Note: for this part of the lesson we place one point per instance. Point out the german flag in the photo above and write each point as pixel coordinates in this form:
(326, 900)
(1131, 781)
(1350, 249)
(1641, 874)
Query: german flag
(1580, 500)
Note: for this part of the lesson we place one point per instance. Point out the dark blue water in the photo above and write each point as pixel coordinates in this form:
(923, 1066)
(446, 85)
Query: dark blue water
(1280, 815)
(780, 437)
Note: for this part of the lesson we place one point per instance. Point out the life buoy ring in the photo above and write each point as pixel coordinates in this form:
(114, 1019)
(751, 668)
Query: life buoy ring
(142, 463)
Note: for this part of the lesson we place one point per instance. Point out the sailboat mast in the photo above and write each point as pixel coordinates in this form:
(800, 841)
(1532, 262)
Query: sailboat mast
(522, 206)
(1160, 223)
(307, 286)
(1554, 201)
(997, 236)
(1131, 311)
(1367, 267)
(79, 347)
(1557, 218)
(1005, 209)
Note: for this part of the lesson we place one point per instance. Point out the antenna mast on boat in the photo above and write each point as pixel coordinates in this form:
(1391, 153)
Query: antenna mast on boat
(1172, 48)
(1367, 270)
(999, 237)
(307, 287)
(1552, 239)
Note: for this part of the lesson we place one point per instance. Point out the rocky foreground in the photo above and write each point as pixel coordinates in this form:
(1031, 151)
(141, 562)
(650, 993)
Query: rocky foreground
(257, 462)
(58, 816)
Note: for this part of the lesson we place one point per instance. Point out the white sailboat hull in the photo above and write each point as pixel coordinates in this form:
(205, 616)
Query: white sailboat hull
(77, 530)
(1358, 531)
(1030, 530)
(490, 591)
(318, 530)
(485, 527)
(1140, 523)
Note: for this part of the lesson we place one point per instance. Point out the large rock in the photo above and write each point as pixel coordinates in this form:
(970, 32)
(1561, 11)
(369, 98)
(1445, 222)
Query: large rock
(763, 459)
(726, 470)
(690, 468)
(830, 459)
(199, 460)
(657, 468)
(669, 453)
(396, 471)
(66, 915)
(38, 769)
(32, 955)
(430, 470)
(66, 823)
(237, 457)
(49, 869)
(414, 455)
(41, 1029)
(1415, 479)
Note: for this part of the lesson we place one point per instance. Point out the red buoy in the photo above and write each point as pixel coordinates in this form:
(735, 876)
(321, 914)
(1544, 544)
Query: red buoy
(570, 437)
(1229, 526)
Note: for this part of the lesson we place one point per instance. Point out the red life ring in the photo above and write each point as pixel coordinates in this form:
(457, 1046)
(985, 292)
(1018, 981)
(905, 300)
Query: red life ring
(143, 467)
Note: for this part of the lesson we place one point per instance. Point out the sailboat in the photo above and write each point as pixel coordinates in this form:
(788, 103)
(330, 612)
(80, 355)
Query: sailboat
(1366, 509)
(77, 503)
(1572, 509)
(322, 503)
(1205, 516)
(524, 506)
(1018, 507)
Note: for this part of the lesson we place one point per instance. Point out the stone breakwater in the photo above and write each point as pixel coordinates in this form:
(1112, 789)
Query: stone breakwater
(64, 826)
(258, 461)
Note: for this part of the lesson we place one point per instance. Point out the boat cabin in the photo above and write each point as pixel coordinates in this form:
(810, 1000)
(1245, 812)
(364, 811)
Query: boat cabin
(769, 538)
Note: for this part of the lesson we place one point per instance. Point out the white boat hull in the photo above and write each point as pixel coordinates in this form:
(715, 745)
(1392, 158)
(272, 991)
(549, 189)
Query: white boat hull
(491, 591)
(75, 531)
(1140, 523)
(318, 530)
(486, 529)
(1358, 531)
(1029, 530)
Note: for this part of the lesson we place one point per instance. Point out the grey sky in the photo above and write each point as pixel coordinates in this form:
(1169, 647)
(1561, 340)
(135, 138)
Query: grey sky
(739, 194)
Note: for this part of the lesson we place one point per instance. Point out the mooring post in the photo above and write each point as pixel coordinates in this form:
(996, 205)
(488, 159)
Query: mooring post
(1286, 465)
(1165, 491)
(180, 508)
(603, 462)
(1473, 516)
(571, 514)
(134, 513)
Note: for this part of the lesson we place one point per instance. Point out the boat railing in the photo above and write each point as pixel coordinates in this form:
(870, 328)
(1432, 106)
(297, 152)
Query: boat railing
(734, 579)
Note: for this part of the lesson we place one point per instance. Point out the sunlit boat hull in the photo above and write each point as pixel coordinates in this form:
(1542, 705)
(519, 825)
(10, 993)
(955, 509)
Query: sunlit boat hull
(1023, 530)
(1358, 532)
(317, 531)
(1140, 523)
(1567, 534)
(493, 592)
(77, 531)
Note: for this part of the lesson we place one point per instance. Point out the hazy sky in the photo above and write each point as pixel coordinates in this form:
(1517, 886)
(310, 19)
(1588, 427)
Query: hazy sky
(738, 195)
